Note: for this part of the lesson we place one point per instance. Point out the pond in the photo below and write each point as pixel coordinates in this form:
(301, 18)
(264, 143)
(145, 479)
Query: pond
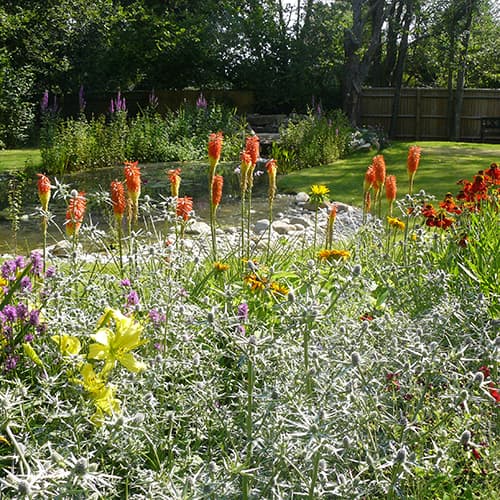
(154, 184)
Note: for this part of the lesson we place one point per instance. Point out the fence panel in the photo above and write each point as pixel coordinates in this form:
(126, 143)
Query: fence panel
(424, 112)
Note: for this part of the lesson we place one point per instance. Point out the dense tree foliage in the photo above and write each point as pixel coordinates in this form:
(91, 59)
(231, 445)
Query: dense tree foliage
(287, 52)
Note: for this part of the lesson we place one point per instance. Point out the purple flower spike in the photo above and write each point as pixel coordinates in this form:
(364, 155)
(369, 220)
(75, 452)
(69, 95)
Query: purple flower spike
(21, 311)
(51, 271)
(243, 311)
(25, 284)
(10, 313)
(11, 362)
(37, 263)
(44, 103)
(81, 99)
(112, 106)
(201, 102)
(8, 269)
(125, 282)
(20, 262)
(34, 317)
(132, 298)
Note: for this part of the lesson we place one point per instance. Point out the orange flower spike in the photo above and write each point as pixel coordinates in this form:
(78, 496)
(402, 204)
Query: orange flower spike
(217, 183)
(75, 213)
(133, 180)
(174, 176)
(378, 163)
(370, 178)
(412, 164)
(118, 199)
(43, 186)
(413, 159)
(214, 150)
(391, 190)
(253, 148)
(272, 169)
(184, 207)
(332, 215)
(246, 164)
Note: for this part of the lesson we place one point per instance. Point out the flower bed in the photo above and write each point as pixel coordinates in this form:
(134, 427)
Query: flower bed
(365, 367)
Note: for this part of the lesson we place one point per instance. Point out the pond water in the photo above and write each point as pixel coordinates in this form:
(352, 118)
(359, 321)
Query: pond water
(155, 184)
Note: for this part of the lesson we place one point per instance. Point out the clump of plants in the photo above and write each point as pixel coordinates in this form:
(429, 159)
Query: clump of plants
(315, 139)
(82, 143)
(367, 368)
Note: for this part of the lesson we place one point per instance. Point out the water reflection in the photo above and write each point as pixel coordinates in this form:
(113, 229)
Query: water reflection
(155, 184)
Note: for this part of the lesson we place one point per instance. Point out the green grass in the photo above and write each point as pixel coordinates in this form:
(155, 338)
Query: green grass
(442, 164)
(15, 159)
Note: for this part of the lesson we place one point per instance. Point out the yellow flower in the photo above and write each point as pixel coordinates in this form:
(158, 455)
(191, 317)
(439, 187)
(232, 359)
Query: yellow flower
(30, 352)
(318, 194)
(112, 346)
(333, 254)
(278, 288)
(67, 344)
(254, 282)
(220, 266)
(395, 222)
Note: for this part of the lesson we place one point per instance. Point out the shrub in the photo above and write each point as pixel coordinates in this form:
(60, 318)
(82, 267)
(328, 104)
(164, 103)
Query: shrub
(313, 140)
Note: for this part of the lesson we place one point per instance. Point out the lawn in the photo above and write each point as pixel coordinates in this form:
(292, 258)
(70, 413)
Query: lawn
(13, 159)
(441, 165)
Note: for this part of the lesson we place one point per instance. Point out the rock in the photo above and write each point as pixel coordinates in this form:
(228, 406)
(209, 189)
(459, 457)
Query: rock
(303, 221)
(198, 227)
(282, 227)
(60, 249)
(261, 225)
(301, 197)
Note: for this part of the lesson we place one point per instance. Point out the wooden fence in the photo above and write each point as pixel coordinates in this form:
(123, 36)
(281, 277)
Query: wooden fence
(423, 112)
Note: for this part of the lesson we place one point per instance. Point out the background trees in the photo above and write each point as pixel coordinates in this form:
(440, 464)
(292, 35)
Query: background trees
(286, 52)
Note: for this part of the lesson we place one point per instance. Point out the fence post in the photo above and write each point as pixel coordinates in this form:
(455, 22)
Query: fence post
(417, 114)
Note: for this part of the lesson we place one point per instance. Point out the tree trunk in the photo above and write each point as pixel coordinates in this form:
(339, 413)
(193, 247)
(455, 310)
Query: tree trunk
(356, 69)
(397, 80)
(459, 92)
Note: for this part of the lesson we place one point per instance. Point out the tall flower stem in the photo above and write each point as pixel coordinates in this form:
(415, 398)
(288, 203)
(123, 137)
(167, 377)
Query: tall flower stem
(243, 214)
(315, 226)
(249, 422)
(120, 246)
(305, 345)
(269, 230)
(249, 220)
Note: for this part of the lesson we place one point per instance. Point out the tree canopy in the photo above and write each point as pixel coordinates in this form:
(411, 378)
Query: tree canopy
(285, 52)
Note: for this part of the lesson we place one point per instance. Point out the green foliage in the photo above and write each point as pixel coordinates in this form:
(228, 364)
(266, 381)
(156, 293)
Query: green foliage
(314, 140)
(68, 145)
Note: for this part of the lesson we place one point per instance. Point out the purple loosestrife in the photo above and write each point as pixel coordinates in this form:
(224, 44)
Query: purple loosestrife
(153, 99)
(82, 103)
(44, 103)
(201, 102)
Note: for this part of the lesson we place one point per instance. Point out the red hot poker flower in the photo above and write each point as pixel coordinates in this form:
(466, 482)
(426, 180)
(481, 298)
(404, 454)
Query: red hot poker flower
(413, 159)
(391, 188)
(370, 178)
(184, 207)
(253, 148)
(217, 183)
(133, 179)
(75, 213)
(174, 176)
(214, 149)
(378, 163)
(118, 199)
(43, 185)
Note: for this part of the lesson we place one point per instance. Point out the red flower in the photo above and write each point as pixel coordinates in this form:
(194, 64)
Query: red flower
(75, 213)
(214, 149)
(43, 185)
(494, 393)
(390, 188)
(413, 160)
(174, 176)
(118, 199)
(486, 371)
(252, 148)
(378, 163)
(217, 183)
(184, 207)
(476, 454)
(370, 178)
(133, 179)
